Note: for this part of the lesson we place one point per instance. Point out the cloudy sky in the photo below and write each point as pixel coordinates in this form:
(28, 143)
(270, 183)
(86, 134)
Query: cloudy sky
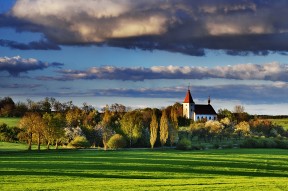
(146, 52)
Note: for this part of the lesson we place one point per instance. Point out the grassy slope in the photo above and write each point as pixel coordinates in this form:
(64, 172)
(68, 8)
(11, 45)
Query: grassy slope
(234, 169)
(11, 122)
(281, 122)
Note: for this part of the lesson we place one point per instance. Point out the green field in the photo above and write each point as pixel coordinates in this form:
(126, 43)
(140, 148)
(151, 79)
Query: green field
(10, 121)
(143, 169)
(281, 122)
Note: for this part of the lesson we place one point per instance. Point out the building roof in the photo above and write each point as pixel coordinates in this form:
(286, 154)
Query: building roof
(188, 98)
(204, 110)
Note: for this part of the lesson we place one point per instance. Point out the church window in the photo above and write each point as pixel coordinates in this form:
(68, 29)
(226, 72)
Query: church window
(210, 118)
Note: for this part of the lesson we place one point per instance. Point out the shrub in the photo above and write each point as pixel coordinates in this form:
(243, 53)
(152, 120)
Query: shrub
(79, 142)
(269, 143)
(197, 147)
(116, 141)
(264, 143)
(184, 144)
(8, 134)
(282, 144)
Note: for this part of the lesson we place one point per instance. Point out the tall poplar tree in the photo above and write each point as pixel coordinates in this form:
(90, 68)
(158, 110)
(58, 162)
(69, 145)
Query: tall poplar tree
(164, 128)
(173, 127)
(153, 129)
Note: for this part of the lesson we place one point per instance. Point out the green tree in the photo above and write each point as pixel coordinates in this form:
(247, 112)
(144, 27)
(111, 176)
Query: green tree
(54, 129)
(7, 107)
(153, 129)
(225, 113)
(32, 124)
(131, 126)
(107, 130)
(116, 141)
(164, 124)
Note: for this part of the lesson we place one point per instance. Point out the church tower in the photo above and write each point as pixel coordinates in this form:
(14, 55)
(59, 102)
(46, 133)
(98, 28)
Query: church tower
(189, 106)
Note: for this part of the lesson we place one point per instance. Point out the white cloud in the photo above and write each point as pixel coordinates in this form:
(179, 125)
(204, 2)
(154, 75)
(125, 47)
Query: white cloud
(92, 21)
(268, 72)
(16, 65)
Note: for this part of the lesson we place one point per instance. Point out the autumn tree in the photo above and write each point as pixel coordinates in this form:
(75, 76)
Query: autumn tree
(214, 128)
(242, 129)
(153, 129)
(240, 114)
(164, 124)
(131, 125)
(74, 117)
(32, 124)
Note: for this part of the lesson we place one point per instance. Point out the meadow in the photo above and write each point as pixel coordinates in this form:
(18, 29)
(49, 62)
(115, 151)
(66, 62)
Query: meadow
(143, 169)
(282, 122)
(10, 121)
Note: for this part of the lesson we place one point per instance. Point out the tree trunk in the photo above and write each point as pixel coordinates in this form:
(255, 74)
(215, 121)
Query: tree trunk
(30, 142)
(38, 142)
(56, 145)
(48, 145)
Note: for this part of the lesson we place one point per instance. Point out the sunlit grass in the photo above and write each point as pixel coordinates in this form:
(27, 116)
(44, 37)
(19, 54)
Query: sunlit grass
(10, 121)
(145, 169)
(281, 122)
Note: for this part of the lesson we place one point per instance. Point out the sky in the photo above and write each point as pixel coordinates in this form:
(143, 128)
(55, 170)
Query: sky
(147, 53)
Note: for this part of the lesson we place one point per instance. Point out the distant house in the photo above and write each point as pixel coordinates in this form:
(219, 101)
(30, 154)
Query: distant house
(197, 111)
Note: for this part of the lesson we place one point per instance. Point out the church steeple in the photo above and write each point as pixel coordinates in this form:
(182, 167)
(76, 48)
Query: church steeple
(188, 98)
(188, 106)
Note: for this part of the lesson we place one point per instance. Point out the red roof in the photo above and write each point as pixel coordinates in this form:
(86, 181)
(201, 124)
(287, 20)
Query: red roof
(188, 98)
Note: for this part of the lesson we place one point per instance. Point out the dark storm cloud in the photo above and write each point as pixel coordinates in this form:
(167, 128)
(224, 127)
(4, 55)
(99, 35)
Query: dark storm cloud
(270, 71)
(239, 27)
(16, 65)
(35, 45)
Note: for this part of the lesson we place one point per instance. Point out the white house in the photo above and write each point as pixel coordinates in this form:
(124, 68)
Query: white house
(197, 111)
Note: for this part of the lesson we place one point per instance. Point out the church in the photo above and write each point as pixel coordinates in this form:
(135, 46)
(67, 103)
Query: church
(197, 111)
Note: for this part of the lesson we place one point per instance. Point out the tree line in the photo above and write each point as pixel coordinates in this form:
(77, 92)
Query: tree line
(50, 122)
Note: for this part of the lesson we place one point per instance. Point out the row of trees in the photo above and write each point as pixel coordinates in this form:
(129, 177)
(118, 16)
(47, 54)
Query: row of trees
(96, 128)
(53, 123)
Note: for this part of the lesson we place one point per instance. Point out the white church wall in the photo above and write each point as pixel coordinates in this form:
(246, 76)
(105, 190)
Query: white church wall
(208, 117)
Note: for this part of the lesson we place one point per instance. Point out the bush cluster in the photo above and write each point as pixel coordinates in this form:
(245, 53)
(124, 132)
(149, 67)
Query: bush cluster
(116, 141)
(184, 144)
(79, 142)
(264, 143)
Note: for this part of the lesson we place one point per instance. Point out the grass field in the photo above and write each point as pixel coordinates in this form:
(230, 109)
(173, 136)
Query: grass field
(10, 121)
(143, 169)
(281, 122)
